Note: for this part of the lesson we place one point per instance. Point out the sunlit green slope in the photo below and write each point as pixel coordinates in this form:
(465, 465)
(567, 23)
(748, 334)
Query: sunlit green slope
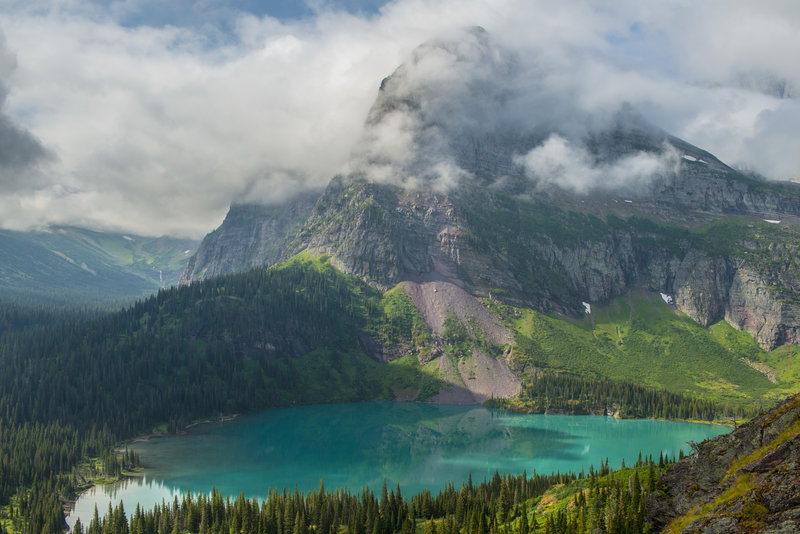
(641, 339)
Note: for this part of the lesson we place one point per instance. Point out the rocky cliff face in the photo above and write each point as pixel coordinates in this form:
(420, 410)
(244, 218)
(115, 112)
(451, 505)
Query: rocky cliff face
(746, 481)
(250, 236)
(539, 255)
(762, 303)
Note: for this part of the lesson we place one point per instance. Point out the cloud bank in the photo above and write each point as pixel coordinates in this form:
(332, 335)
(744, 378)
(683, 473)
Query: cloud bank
(156, 128)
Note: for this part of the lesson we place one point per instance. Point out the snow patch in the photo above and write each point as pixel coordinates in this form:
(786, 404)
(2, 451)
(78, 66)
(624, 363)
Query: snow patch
(666, 298)
(88, 269)
(127, 237)
(693, 159)
(587, 307)
(772, 221)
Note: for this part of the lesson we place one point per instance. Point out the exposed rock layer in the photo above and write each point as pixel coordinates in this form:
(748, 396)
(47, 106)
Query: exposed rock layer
(477, 240)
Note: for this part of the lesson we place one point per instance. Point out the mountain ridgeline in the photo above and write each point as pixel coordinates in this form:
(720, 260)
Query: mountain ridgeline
(554, 253)
(68, 267)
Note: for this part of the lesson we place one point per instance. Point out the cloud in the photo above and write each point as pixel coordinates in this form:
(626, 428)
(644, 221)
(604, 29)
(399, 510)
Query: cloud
(20, 152)
(155, 127)
(454, 88)
(557, 161)
(464, 105)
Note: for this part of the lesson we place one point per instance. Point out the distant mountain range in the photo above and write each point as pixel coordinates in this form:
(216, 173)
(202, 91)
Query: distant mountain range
(74, 266)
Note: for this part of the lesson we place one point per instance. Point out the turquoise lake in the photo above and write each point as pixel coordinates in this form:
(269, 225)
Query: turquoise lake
(419, 446)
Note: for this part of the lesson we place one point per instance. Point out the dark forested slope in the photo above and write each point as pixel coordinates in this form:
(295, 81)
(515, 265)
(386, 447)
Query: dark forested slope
(230, 344)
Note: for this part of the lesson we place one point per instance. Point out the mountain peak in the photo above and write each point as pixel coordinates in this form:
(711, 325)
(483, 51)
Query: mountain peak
(472, 172)
(463, 107)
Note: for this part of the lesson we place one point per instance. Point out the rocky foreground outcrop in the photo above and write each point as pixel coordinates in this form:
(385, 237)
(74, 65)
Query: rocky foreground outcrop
(745, 481)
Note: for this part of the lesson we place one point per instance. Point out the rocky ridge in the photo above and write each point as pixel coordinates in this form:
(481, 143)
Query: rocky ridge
(745, 481)
(250, 236)
(533, 254)
(487, 242)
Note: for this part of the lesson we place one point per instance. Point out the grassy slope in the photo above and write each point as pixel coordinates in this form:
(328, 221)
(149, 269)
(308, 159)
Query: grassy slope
(642, 340)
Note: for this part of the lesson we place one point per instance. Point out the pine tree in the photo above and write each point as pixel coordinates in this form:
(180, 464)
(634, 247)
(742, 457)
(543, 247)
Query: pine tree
(522, 524)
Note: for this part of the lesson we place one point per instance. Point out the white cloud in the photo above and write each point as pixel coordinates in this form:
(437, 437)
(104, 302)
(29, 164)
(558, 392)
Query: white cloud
(560, 162)
(157, 130)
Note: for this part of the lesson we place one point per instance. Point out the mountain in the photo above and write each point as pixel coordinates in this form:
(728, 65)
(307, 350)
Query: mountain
(745, 481)
(68, 265)
(541, 213)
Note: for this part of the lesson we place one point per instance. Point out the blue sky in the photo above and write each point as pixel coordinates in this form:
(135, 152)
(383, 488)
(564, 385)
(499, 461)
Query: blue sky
(216, 19)
(191, 13)
(152, 117)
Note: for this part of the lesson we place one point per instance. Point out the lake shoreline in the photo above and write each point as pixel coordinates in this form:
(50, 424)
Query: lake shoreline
(423, 426)
(143, 438)
(68, 504)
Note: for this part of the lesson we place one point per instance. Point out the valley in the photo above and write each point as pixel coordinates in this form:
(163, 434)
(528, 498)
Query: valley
(68, 266)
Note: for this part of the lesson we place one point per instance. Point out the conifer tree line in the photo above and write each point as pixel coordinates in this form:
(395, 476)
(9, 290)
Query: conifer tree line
(604, 501)
(216, 347)
(574, 395)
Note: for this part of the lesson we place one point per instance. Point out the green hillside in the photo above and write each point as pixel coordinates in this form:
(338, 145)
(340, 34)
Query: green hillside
(641, 339)
(292, 334)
